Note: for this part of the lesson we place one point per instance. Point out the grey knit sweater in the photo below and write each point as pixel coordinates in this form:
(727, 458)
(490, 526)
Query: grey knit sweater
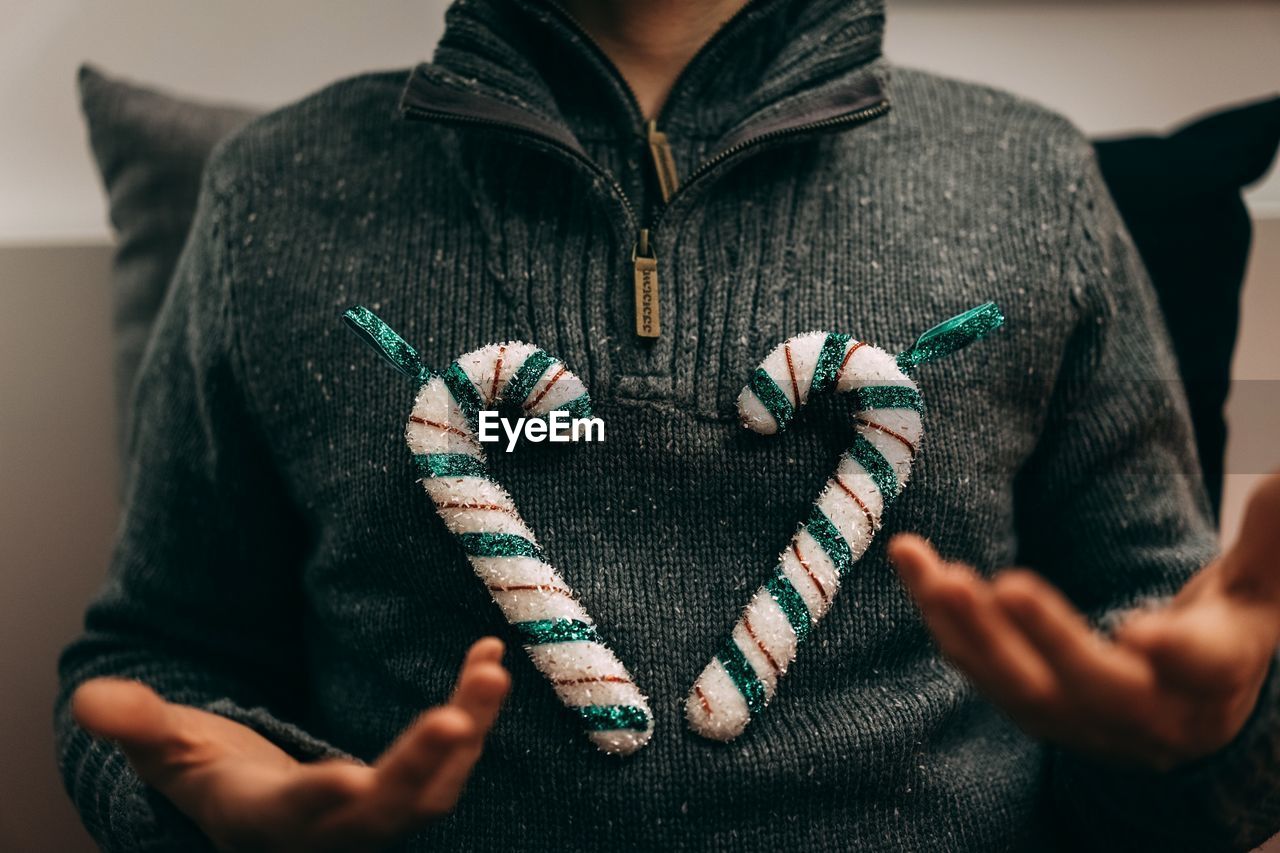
(277, 563)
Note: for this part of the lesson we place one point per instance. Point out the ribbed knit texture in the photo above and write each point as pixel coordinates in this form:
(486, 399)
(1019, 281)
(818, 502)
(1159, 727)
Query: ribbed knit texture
(278, 564)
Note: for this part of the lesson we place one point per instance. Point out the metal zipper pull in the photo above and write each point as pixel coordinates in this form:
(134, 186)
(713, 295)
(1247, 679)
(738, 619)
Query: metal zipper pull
(664, 163)
(648, 322)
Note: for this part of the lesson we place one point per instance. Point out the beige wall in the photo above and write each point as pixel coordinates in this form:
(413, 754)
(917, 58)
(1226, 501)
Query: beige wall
(1109, 65)
(57, 511)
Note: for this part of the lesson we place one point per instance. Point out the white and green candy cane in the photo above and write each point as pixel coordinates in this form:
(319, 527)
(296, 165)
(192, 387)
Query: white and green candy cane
(559, 635)
(887, 426)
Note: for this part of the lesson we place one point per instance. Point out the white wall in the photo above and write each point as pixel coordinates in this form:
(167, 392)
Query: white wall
(1108, 65)
(262, 53)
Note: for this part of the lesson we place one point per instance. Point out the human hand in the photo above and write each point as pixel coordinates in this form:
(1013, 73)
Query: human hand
(1173, 684)
(245, 793)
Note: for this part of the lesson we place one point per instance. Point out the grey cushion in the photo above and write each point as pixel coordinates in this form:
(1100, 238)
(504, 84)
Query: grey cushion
(151, 149)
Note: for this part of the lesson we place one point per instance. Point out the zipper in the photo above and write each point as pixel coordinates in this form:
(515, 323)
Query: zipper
(645, 264)
(644, 258)
(664, 162)
(852, 118)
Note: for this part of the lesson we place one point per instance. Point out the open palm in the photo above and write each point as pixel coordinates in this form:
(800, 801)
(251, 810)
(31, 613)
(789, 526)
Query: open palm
(245, 793)
(1171, 684)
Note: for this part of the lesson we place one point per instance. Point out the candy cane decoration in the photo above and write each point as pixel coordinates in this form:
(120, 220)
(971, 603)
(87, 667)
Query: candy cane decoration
(558, 634)
(744, 676)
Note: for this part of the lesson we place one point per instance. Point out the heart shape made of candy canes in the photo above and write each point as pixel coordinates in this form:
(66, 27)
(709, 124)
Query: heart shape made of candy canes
(560, 637)
(887, 429)
(557, 632)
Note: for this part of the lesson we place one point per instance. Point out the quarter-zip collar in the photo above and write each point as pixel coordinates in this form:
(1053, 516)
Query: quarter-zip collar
(776, 64)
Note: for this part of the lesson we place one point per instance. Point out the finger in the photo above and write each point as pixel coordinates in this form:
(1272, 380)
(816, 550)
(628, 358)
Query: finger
(342, 806)
(485, 649)
(1253, 567)
(324, 787)
(408, 769)
(444, 790)
(959, 609)
(1208, 647)
(915, 559)
(482, 685)
(1085, 663)
(414, 758)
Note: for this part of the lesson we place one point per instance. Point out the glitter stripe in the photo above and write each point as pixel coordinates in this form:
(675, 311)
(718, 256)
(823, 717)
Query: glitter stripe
(464, 393)
(826, 535)
(541, 632)
(603, 718)
(773, 398)
(743, 676)
(791, 605)
(888, 397)
(824, 374)
(433, 465)
(578, 407)
(519, 386)
(499, 545)
(877, 467)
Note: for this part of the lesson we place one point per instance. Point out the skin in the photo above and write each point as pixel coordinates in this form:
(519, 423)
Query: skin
(246, 794)
(1172, 685)
(651, 42)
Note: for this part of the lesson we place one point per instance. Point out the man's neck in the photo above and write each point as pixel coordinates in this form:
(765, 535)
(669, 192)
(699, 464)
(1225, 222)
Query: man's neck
(651, 41)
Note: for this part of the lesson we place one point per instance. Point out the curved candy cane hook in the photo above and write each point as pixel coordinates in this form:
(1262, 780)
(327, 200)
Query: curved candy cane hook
(558, 634)
(744, 676)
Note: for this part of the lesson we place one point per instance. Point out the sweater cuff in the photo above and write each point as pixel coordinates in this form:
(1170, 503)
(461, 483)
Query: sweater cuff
(294, 740)
(144, 819)
(1229, 800)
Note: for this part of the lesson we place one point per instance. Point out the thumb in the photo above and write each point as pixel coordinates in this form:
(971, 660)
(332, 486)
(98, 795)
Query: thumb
(1254, 560)
(129, 713)
(1198, 648)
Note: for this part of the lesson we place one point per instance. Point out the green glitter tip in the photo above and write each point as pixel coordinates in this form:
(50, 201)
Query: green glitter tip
(397, 352)
(951, 335)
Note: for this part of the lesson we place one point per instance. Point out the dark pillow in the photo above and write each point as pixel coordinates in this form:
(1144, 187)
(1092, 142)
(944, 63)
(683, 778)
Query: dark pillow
(151, 149)
(1180, 197)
